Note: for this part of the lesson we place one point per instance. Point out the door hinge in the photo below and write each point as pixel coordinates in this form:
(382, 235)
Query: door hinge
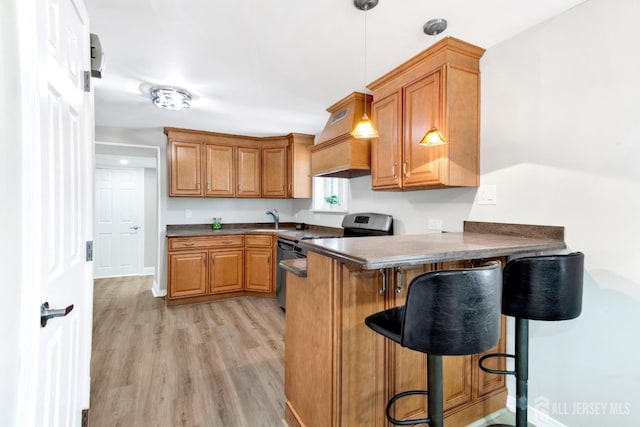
(87, 81)
(85, 418)
(90, 250)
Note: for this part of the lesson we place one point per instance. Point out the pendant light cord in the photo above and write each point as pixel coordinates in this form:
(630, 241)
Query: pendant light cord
(364, 102)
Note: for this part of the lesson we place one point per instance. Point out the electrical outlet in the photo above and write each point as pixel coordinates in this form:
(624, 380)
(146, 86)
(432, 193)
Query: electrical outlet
(435, 224)
(187, 213)
(487, 195)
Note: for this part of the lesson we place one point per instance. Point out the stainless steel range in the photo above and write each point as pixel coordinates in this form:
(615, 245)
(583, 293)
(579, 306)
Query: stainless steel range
(354, 225)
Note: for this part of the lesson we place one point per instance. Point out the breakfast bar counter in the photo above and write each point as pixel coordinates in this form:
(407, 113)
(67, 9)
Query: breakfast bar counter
(340, 373)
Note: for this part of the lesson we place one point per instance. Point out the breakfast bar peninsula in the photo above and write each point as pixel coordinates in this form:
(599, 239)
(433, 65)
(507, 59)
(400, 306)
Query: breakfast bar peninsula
(340, 373)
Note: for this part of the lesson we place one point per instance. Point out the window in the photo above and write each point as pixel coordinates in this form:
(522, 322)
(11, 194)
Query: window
(330, 194)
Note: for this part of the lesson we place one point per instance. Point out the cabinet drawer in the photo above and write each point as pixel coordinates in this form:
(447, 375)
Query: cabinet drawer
(258, 240)
(176, 243)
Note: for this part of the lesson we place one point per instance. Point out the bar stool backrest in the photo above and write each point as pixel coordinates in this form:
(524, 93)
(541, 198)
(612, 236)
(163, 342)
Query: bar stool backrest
(454, 312)
(545, 287)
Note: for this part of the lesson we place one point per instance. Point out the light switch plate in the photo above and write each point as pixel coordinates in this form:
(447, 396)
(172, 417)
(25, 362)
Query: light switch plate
(487, 195)
(187, 213)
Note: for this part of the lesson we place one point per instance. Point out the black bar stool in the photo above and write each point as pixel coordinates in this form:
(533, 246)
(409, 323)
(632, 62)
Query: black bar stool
(536, 288)
(452, 312)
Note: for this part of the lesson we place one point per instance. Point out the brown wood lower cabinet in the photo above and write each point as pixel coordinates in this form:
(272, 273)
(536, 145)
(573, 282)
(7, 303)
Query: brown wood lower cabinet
(188, 273)
(207, 268)
(226, 271)
(354, 371)
(259, 263)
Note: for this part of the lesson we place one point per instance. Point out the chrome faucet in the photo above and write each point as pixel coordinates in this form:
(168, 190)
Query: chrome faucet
(275, 215)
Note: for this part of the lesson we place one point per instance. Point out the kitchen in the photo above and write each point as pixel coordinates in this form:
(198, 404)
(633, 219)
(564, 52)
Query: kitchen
(559, 141)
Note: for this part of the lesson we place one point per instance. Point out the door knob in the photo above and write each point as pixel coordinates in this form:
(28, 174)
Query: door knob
(46, 313)
(134, 227)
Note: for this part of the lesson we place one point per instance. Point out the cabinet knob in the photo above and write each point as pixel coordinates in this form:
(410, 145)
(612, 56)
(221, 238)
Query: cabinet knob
(404, 168)
(393, 171)
(197, 185)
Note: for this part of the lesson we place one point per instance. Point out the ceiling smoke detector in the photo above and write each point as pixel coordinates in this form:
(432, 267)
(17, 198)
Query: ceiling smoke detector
(433, 27)
(170, 98)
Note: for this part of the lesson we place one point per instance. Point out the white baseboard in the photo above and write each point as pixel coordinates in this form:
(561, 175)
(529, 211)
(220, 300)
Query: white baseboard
(149, 271)
(535, 416)
(156, 291)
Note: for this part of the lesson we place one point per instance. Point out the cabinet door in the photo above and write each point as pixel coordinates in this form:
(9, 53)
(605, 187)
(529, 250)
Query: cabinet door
(422, 110)
(299, 166)
(488, 383)
(386, 150)
(274, 172)
(219, 177)
(363, 352)
(187, 274)
(248, 172)
(407, 368)
(185, 169)
(226, 271)
(258, 269)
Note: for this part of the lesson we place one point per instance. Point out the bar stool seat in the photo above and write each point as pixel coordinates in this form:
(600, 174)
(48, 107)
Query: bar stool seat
(546, 288)
(451, 312)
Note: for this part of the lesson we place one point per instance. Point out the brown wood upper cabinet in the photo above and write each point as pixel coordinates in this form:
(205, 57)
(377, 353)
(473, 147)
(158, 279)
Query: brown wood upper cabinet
(207, 164)
(439, 87)
(186, 167)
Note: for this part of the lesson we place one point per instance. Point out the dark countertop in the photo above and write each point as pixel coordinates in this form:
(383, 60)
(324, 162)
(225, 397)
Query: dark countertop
(287, 231)
(487, 241)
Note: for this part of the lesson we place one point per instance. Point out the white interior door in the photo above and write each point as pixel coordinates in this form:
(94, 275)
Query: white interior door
(119, 222)
(60, 189)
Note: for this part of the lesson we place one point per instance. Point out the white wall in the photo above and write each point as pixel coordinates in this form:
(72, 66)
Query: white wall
(561, 141)
(150, 217)
(10, 212)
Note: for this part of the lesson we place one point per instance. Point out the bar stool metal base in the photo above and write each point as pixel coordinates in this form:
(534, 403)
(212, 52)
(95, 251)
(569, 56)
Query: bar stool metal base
(521, 371)
(435, 400)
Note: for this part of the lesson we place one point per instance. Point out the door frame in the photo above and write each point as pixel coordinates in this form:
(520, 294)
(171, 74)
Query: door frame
(157, 292)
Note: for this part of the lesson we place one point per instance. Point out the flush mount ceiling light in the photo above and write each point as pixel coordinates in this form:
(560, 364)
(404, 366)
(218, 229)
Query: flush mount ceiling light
(433, 27)
(171, 98)
(365, 129)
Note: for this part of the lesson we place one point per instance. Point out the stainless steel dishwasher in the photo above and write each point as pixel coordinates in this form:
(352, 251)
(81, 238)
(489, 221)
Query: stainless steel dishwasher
(286, 249)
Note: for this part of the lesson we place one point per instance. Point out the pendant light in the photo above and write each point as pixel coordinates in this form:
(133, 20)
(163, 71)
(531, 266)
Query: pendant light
(433, 137)
(365, 129)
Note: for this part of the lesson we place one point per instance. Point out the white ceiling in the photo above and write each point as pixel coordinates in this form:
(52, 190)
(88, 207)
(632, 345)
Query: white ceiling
(259, 67)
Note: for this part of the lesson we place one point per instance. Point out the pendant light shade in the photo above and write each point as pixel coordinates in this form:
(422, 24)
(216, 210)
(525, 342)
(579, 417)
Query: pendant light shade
(365, 128)
(432, 138)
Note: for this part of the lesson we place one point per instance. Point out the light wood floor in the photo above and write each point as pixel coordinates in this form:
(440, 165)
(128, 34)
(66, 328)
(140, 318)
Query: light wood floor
(218, 364)
(214, 364)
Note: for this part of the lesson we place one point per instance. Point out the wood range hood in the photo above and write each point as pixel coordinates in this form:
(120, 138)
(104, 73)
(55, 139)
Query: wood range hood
(336, 153)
